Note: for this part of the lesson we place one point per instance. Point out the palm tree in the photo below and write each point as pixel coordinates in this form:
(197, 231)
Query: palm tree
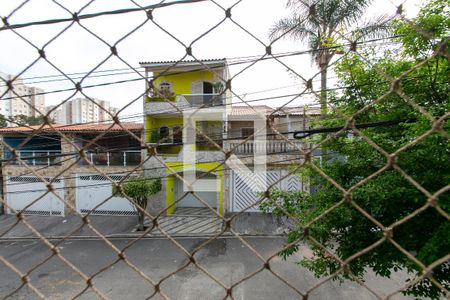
(323, 23)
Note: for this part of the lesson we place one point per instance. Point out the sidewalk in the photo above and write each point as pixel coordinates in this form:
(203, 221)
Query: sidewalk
(249, 224)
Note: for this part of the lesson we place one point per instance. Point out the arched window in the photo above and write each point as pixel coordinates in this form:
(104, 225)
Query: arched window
(164, 133)
(177, 135)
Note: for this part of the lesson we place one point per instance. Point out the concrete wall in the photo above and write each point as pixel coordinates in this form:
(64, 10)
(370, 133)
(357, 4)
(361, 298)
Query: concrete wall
(69, 176)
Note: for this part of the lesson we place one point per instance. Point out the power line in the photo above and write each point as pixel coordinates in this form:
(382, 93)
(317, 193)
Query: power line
(132, 116)
(129, 173)
(296, 133)
(267, 98)
(74, 78)
(77, 18)
(303, 133)
(77, 73)
(238, 60)
(195, 70)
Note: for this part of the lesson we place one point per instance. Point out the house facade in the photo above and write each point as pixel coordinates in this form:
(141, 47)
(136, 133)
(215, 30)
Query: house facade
(174, 91)
(193, 91)
(281, 150)
(43, 172)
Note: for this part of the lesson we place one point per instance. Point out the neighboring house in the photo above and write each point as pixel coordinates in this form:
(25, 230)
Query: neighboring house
(181, 87)
(282, 150)
(187, 86)
(30, 154)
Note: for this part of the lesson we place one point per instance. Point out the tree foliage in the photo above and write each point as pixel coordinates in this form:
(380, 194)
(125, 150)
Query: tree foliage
(28, 120)
(324, 24)
(139, 189)
(389, 196)
(3, 121)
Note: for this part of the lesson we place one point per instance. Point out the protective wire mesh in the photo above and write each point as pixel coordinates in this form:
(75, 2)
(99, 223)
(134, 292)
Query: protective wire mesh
(147, 153)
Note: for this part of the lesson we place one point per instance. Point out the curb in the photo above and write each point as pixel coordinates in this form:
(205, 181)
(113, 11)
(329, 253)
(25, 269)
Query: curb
(133, 236)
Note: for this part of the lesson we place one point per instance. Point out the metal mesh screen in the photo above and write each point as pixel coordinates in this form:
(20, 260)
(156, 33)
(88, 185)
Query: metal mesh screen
(304, 157)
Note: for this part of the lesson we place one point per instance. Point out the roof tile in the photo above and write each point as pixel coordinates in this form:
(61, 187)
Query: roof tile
(77, 128)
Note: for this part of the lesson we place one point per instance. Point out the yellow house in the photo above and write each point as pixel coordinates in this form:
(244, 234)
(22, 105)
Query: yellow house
(173, 89)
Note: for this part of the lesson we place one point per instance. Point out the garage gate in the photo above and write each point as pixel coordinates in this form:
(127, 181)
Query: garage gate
(93, 190)
(30, 195)
(243, 197)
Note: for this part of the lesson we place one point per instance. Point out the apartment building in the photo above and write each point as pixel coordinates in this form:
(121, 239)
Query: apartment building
(22, 100)
(82, 110)
(54, 112)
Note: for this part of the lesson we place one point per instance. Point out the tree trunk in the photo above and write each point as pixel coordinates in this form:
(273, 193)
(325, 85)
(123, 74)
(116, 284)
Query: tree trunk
(141, 217)
(323, 88)
(141, 207)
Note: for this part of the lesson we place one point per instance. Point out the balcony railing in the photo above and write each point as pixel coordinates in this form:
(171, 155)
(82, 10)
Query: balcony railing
(207, 100)
(113, 158)
(268, 146)
(182, 102)
(36, 157)
(53, 157)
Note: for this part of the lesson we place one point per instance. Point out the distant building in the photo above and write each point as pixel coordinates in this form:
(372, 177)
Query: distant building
(82, 110)
(22, 100)
(56, 114)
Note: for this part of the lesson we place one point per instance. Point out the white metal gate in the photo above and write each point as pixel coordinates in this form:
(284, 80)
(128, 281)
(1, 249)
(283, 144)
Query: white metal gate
(30, 195)
(189, 200)
(243, 197)
(93, 190)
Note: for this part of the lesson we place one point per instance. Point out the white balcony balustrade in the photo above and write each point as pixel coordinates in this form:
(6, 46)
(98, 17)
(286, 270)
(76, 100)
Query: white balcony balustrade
(155, 105)
(113, 158)
(268, 146)
(35, 157)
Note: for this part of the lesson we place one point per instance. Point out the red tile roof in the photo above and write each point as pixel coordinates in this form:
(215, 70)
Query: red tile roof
(77, 128)
(298, 111)
(245, 110)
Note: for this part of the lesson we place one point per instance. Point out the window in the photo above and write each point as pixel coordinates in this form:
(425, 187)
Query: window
(165, 87)
(164, 133)
(177, 135)
(207, 93)
(246, 132)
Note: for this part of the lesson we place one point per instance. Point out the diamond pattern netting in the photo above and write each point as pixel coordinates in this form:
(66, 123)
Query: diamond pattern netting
(304, 157)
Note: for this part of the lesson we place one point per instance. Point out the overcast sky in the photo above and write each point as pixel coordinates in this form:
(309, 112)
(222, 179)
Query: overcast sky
(77, 50)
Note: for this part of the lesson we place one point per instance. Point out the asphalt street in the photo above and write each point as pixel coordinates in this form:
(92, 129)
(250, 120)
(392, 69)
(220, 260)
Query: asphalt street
(227, 259)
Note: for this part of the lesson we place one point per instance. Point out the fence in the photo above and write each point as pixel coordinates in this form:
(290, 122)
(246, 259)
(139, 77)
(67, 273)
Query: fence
(119, 158)
(271, 146)
(36, 157)
(364, 204)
